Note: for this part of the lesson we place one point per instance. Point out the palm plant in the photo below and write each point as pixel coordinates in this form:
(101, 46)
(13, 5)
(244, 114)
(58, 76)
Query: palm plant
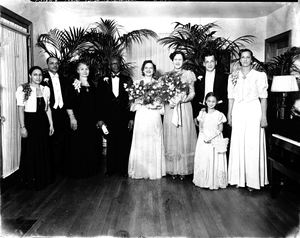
(64, 45)
(95, 45)
(282, 64)
(195, 40)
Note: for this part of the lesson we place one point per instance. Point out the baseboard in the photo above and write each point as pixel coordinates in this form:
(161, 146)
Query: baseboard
(10, 181)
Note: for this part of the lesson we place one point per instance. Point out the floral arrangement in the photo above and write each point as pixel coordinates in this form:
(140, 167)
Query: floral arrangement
(161, 91)
(143, 93)
(172, 85)
(106, 79)
(46, 80)
(77, 85)
(27, 91)
(234, 77)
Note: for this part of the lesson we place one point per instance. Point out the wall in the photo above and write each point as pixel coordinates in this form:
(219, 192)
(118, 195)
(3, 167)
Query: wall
(284, 19)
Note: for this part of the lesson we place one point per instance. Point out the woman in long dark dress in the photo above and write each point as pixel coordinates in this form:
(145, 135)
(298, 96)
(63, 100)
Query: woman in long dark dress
(35, 127)
(80, 102)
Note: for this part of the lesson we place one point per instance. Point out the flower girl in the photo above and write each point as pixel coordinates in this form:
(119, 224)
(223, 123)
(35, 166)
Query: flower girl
(210, 170)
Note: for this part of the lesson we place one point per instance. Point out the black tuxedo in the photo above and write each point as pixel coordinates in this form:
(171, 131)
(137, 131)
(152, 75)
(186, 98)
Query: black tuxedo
(115, 113)
(59, 117)
(219, 88)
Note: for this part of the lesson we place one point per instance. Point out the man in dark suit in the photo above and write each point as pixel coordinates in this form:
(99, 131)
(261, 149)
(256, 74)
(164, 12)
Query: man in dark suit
(57, 87)
(211, 81)
(113, 112)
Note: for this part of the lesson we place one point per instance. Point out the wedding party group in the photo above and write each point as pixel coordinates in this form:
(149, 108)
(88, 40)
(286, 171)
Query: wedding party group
(210, 126)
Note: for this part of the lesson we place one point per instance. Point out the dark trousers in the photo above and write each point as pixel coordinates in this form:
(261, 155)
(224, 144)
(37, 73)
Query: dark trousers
(118, 148)
(58, 139)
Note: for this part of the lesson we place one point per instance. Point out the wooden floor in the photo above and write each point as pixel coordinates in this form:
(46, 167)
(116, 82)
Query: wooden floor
(124, 207)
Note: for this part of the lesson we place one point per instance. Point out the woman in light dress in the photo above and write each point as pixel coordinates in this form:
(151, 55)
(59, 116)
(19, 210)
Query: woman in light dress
(147, 159)
(180, 138)
(247, 94)
(210, 163)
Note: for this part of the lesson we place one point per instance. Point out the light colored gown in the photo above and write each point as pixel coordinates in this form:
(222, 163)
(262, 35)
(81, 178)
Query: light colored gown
(180, 141)
(247, 155)
(210, 166)
(147, 159)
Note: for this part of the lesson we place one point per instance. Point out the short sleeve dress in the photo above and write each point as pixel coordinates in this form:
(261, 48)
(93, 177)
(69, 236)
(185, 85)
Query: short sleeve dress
(210, 165)
(180, 141)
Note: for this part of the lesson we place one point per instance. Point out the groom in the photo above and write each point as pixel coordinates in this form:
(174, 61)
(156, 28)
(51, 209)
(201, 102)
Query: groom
(114, 114)
(211, 81)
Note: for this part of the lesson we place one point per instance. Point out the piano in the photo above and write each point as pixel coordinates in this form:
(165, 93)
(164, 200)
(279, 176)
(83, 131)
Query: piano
(284, 157)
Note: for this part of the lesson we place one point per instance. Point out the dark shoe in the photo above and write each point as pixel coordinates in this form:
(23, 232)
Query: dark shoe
(107, 175)
(174, 177)
(250, 189)
(182, 177)
(125, 175)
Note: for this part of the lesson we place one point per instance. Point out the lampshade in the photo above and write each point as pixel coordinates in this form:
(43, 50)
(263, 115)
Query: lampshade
(284, 83)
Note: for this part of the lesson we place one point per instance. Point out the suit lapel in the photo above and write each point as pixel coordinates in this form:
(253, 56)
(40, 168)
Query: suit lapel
(217, 82)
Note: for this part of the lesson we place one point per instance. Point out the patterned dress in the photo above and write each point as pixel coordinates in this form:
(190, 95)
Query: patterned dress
(180, 141)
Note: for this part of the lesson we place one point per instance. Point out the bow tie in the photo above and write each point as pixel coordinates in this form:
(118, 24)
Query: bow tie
(55, 75)
(115, 75)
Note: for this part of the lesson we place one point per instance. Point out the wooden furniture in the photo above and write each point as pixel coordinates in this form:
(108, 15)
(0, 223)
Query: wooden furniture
(284, 157)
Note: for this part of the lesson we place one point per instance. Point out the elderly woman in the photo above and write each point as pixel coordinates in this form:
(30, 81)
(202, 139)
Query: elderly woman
(36, 126)
(80, 102)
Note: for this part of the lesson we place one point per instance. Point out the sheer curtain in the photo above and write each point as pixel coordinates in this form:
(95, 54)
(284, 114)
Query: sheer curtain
(13, 60)
(149, 50)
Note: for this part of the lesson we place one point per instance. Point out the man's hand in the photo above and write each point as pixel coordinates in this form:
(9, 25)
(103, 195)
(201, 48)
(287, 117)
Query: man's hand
(130, 125)
(99, 124)
(196, 122)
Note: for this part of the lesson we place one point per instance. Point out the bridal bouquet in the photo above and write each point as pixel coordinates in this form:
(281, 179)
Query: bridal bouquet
(143, 93)
(171, 86)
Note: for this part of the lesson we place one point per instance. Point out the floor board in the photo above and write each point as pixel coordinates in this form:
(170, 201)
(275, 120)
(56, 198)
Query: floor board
(124, 207)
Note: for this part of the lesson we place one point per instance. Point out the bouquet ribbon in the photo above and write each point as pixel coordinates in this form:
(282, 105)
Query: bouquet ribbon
(176, 117)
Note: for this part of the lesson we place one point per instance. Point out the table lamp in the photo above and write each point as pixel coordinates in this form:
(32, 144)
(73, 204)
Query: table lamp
(284, 84)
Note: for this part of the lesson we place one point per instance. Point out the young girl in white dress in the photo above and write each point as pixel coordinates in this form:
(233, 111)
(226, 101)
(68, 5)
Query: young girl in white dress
(210, 170)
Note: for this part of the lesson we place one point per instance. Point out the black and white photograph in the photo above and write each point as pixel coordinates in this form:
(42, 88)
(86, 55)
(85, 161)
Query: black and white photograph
(149, 119)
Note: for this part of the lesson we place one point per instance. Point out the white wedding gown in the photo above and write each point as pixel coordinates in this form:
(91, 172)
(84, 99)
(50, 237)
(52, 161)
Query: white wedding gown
(147, 160)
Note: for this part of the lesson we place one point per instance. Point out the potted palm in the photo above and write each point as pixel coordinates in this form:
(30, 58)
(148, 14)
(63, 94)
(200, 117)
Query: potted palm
(95, 44)
(196, 39)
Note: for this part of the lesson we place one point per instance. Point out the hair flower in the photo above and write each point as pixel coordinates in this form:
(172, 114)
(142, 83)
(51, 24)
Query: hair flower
(77, 85)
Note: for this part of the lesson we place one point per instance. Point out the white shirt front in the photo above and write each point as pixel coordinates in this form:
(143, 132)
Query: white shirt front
(115, 85)
(209, 83)
(57, 90)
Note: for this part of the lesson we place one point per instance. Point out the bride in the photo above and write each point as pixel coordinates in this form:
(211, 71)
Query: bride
(147, 160)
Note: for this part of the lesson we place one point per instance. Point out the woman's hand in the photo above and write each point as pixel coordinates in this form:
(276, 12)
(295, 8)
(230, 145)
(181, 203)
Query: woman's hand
(263, 122)
(51, 130)
(207, 139)
(229, 119)
(24, 132)
(73, 123)
(295, 112)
